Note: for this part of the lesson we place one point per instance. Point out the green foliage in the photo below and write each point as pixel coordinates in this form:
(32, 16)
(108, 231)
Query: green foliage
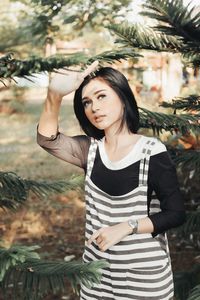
(192, 225)
(141, 37)
(10, 67)
(194, 293)
(40, 22)
(14, 190)
(177, 30)
(14, 255)
(169, 122)
(189, 103)
(95, 14)
(185, 281)
(27, 277)
(175, 20)
(43, 189)
(189, 159)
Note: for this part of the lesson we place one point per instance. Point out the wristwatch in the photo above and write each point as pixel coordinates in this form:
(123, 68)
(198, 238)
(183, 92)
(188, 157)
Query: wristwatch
(134, 225)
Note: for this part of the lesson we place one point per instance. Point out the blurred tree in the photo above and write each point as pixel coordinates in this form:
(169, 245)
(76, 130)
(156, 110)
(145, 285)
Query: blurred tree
(38, 23)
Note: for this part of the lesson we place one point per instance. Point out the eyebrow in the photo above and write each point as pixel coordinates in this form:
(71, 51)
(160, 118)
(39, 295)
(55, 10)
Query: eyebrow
(84, 98)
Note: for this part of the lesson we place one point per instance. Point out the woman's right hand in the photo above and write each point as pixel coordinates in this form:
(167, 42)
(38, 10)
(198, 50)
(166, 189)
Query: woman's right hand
(64, 82)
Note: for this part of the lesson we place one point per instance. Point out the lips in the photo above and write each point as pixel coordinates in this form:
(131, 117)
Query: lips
(99, 118)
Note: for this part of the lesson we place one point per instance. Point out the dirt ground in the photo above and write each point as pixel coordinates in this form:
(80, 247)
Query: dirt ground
(55, 223)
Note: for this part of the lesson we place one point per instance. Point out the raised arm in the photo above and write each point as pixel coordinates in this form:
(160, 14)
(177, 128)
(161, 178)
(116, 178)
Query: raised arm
(71, 149)
(62, 84)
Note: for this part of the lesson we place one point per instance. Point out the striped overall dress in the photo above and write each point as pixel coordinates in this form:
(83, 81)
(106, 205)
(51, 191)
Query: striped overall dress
(139, 265)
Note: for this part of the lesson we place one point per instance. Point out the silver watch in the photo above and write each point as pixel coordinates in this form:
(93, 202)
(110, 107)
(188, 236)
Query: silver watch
(134, 225)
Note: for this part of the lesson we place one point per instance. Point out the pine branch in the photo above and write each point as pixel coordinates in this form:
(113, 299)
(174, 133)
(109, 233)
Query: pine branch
(177, 30)
(118, 55)
(191, 60)
(175, 19)
(43, 189)
(141, 37)
(190, 103)
(14, 190)
(194, 293)
(169, 122)
(189, 159)
(10, 67)
(14, 255)
(31, 278)
(185, 281)
(192, 224)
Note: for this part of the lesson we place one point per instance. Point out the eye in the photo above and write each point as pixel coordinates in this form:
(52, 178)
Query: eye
(101, 96)
(86, 103)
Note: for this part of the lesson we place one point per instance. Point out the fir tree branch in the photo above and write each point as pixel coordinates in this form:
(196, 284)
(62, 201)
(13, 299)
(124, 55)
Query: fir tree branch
(177, 31)
(192, 60)
(14, 190)
(141, 37)
(189, 159)
(35, 278)
(117, 55)
(43, 189)
(192, 224)
(14, 255)
(169, 122)
(10, 67)
(194, 293)
(185, 281)
(190, 103)
(175, 19)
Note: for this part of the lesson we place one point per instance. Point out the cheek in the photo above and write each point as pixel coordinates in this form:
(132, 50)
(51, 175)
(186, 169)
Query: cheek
(118, 110)
(88, 115)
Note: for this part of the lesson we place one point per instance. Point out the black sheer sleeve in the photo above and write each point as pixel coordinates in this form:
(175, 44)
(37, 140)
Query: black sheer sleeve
(162, 179)
(70, 149)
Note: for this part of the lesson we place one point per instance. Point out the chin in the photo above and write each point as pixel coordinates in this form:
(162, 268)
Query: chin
(100, 127)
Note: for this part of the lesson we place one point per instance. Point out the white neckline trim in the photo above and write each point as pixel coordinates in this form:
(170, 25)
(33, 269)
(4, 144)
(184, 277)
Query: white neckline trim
(133, 156)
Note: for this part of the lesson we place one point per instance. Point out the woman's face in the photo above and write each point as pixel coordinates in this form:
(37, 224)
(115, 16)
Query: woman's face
(102, 105)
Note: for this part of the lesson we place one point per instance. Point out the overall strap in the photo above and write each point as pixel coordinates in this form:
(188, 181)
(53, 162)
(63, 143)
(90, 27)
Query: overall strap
(144, 162)
(91, 156)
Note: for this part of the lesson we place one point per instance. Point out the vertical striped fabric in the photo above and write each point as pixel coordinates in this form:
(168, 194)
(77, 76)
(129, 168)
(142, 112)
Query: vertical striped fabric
(139, 265)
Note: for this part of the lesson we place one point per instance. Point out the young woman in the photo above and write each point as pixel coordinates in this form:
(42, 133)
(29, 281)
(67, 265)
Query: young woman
(131, 188)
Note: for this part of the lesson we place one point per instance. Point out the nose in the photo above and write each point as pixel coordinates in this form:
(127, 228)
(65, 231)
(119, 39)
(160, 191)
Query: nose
(95, 107)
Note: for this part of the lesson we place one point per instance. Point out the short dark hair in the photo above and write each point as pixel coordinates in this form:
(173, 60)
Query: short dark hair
(118, 82)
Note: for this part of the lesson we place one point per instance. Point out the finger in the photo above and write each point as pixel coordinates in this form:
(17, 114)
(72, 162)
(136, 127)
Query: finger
(104, 246)
(91, 68)
(61, 71)
(99, 239)
(93, 237)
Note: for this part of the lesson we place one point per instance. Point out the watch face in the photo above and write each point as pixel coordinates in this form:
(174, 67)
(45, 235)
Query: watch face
(134, 225)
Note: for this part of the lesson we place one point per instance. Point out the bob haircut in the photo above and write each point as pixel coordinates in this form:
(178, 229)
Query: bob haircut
(118, 82)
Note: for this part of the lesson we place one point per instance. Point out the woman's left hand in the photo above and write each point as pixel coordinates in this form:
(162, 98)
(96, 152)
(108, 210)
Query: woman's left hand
(108, 236)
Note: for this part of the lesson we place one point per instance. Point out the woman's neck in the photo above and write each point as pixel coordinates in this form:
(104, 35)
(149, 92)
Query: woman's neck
(121, 139)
